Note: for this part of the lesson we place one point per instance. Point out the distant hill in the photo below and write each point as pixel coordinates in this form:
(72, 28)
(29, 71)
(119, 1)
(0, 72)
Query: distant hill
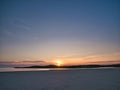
(73, 66)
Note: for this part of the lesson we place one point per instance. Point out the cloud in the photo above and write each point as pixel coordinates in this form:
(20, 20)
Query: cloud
(92, 56)
(22, 62)
(105, 62)
(21, 24)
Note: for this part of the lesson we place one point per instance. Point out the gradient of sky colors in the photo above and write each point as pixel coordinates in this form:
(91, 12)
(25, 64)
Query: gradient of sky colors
(73, 31)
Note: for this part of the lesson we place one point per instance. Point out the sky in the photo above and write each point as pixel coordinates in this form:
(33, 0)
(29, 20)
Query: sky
(71, 31)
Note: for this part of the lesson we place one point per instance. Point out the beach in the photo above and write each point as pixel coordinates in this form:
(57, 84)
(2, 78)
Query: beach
(74, 79)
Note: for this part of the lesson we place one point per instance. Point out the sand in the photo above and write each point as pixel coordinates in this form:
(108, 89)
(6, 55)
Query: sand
(83, 79)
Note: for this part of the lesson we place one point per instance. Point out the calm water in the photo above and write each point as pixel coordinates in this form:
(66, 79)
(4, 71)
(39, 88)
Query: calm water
(29, 69)
(42, 69)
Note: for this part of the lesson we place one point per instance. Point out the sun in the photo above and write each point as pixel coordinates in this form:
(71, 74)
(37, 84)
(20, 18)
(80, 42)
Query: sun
(58, 63)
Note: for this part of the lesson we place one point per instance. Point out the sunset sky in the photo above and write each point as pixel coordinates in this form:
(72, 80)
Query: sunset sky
(40, 32)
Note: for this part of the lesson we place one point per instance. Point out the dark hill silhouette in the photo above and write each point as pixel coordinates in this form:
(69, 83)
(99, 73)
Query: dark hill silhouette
(74, 66)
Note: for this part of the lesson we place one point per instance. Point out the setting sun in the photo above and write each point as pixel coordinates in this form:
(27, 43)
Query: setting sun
(58, 62)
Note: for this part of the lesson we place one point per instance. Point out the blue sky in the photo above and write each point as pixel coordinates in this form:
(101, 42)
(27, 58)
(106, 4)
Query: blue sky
(54, 29)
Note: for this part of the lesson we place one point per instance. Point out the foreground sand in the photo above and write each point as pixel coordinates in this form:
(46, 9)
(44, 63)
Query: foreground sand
(85, 79)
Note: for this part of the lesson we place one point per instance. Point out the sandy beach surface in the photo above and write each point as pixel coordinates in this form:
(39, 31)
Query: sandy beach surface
(82, 79)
